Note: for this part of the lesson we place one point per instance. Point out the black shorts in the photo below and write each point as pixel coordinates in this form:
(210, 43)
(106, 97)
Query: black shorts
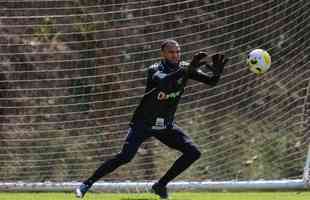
(173, 137)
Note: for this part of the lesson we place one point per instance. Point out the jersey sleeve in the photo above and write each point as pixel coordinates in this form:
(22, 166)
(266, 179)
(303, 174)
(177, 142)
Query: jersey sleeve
(156, 78)
(149, 81)
(199, 75)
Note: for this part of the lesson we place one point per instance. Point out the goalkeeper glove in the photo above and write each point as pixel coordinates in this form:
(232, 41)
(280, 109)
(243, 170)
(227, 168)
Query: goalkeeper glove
(196, 61)
(218, 63)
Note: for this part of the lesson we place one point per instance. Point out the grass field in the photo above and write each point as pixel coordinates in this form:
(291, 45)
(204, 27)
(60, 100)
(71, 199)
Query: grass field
(174, 196)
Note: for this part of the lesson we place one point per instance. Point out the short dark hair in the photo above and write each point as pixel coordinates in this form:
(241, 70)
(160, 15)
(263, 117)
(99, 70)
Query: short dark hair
(167, 42)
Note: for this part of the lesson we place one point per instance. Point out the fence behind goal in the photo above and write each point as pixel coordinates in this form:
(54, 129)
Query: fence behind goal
(73, 71)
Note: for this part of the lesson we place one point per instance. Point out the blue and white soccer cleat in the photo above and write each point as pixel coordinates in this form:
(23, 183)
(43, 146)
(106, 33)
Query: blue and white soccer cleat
(81, 190)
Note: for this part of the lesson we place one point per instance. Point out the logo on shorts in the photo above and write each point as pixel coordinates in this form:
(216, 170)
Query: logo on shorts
(179, 81)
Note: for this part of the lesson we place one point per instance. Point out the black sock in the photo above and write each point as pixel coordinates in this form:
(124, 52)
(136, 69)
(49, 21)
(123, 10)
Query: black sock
(177, 168)
(106, 168)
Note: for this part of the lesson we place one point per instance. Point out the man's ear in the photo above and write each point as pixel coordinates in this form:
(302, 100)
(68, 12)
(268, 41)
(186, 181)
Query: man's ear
(162, 54)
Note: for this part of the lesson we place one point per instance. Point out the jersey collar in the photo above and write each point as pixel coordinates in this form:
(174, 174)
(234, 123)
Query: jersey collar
(168, 66)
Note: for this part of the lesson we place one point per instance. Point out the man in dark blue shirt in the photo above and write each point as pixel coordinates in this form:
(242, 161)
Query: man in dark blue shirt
(154, 116)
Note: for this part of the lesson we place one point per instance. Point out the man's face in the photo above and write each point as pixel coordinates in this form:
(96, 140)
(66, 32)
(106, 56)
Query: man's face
(172, 53)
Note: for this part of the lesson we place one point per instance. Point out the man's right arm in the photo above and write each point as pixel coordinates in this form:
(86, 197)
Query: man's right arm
(149, 81)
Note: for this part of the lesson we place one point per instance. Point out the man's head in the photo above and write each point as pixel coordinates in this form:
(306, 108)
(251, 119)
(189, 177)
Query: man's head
(171, 51)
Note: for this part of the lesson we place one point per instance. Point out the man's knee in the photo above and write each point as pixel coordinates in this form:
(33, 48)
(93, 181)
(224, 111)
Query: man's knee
(196, 154)
(193, 153)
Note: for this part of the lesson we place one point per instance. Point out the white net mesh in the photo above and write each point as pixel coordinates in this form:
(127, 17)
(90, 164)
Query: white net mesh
(73, 71)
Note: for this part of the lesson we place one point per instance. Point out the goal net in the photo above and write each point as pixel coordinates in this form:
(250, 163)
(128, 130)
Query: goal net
(73, 71)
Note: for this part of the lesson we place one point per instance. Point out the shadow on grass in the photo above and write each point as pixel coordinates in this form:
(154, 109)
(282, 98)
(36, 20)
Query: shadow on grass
(136, 198)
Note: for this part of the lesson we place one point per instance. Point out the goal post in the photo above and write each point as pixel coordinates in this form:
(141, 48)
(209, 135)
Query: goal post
(73, 71)
(141, 187)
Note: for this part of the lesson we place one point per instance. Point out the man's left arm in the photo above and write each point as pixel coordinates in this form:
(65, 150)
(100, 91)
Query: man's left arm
(217, 67)
(200, 76)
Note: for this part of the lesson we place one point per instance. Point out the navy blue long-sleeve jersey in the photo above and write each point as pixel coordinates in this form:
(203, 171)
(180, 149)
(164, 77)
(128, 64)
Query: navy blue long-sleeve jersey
(164, 87)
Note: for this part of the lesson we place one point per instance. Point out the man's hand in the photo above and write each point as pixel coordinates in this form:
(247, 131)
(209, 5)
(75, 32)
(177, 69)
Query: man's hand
(218, 63)
(196, 61)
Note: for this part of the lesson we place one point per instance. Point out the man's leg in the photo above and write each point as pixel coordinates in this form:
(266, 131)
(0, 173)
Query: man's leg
(135, 138)
(175, 138)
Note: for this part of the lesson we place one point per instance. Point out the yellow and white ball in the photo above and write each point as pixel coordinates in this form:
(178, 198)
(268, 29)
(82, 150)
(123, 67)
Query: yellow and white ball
(259, 61)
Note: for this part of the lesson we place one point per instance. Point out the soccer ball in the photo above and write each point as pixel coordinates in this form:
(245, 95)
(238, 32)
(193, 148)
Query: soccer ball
(259, 61)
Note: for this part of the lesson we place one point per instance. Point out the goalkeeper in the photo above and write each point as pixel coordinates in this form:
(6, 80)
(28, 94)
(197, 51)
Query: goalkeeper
(154, 117)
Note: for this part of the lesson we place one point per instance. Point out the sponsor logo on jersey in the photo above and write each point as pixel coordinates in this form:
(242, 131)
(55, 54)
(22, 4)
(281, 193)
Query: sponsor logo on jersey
(164, 96)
